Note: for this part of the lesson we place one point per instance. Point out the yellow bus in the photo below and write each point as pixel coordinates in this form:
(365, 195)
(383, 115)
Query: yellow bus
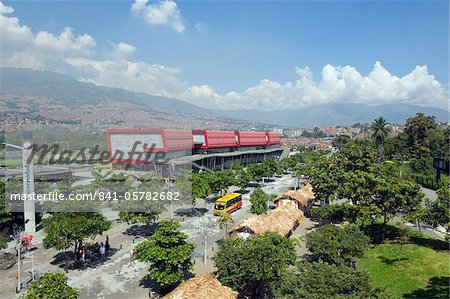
(230, 203)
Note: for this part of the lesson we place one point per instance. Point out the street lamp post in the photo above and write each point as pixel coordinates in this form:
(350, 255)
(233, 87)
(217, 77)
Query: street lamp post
(205, 253)
(17, 232)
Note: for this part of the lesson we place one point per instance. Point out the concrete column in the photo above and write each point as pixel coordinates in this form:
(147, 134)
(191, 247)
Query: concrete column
(28, 187)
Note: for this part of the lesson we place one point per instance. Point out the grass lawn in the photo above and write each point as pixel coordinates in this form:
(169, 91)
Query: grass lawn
(411, 270)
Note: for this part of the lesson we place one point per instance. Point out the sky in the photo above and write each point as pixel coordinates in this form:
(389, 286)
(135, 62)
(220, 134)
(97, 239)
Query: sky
(261, 55)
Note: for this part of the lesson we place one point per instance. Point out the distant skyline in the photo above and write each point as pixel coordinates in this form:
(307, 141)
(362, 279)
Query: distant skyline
(260, 55)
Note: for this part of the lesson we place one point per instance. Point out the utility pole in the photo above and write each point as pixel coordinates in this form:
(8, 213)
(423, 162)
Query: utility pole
(19, 261)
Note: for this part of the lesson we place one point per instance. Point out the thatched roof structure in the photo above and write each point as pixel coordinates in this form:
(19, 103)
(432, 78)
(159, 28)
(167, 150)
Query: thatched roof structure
(204, 286)
(282, 220)
(303, 196)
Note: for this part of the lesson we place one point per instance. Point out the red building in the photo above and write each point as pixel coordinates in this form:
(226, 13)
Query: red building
(148, 146)
(133, 146)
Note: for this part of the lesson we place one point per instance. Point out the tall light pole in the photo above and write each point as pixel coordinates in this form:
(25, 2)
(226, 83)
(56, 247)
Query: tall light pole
(17, 231)
(28, 182)
(205, 253)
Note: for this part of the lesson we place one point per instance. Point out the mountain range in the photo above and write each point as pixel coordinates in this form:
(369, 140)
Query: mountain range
(67, 91)
(332, 114)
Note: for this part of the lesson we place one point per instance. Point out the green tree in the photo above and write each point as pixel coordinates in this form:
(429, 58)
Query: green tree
(418, 128)
(224, 220)
(378, 199)
(356, 155)
(397, 148)
(200, 187)
(51, 286)
(243, 177)
(437, 212)
(324, 173)
(327, 173)
(333, 212)
(225, 179)
(439, 142)
(248, 266)
(291, 161)
(336, 245)
(167, 253)
(258, 171)
(259, 200)
(236, 166)
(319, 280)
(145, 210)
(340, 141)
(68, 229)
(272, 167)
(423, 166)
(213, 180)
(380, 131)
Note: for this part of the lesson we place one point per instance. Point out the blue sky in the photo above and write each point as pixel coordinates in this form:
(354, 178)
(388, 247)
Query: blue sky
(231, 46)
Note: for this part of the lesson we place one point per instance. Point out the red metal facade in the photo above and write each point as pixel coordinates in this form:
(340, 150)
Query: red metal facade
(217, 139)
(173, 140)
(252, 138)
(177, 140)
(273, 138)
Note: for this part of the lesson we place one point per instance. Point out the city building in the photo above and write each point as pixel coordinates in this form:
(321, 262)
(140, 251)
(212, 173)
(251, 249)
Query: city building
(161, 149)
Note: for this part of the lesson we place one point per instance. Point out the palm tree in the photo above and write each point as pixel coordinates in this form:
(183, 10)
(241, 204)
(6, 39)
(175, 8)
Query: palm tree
(380, 131)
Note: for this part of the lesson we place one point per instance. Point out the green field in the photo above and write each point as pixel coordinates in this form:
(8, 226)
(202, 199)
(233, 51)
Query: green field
(410, 270)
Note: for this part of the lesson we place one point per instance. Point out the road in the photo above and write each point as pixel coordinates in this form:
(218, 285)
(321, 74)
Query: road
(194, 226)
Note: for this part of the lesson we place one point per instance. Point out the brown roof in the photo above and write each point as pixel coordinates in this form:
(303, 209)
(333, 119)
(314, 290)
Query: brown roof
(204, 286)
(281, 220)
(303, 196)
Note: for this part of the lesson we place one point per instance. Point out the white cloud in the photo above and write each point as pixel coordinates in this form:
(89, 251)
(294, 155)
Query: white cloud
(164, 12)
(65, 43)
(77, 54)
(203, 96)
(337, 84)
(21, 48)
(122, 50)
(5, 9)
(13, 35)
(136, 76)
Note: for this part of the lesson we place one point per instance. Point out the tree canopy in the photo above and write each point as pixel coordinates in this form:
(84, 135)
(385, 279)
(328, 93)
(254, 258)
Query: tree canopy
(380, 132)
(145, 210)
(317, 280)
(437, 212)
(336, 245)
(167, 253)
(51, 286)
(68, 229)
(259, 200)
(224, 219)
(249, 266)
